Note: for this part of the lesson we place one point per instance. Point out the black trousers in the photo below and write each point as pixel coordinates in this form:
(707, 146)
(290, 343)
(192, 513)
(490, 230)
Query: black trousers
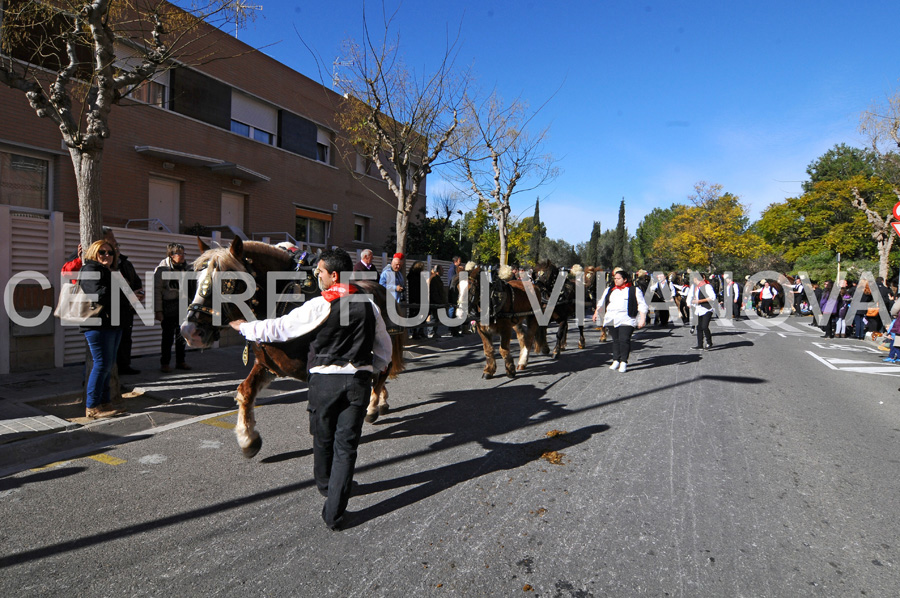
(337, 407)
(621, 342)
(171, 331)
(703, 328)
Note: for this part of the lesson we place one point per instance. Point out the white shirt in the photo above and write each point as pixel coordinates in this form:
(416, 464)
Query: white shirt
(617, 310)
(307, 318)
(768, 292)
(705, 307)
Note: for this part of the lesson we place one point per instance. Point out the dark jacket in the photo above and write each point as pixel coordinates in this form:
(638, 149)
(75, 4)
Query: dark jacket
(102, 288)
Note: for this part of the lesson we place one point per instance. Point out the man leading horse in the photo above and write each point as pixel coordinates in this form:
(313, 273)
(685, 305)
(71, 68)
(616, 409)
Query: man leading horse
(340, 374)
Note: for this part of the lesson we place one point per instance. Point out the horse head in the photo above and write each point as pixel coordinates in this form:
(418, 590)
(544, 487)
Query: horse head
(227, 277)
(545, 275)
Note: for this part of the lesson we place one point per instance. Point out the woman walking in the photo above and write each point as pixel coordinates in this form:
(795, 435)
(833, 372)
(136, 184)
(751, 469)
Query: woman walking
(624, 309)
(702, 298)
(166, 290)
(103, 339)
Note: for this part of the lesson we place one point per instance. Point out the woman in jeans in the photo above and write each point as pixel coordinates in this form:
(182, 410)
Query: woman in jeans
(102, 338)
(624, 309)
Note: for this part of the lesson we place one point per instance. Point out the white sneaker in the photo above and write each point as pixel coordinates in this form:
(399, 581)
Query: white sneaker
(622, 367)
(614, 365)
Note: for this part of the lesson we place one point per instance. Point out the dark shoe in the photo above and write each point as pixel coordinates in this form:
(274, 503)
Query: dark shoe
(698, 347)
(165, 369)
(693, 331)
(128, 371)
(183, 366)
(337, 525)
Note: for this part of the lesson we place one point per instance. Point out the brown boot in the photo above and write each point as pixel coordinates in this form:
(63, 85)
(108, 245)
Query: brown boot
(102, 412)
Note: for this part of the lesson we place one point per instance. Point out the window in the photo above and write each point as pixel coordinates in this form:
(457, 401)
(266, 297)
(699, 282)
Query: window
(360, 224)
(253, 118)
(323, 146)
(24, 181)
(154, 91)
(312, 228)
(365, 165)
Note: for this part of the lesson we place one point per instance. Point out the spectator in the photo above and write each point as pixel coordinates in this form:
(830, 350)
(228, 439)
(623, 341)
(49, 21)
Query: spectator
(414, 280)
(437, 298)
(103, 338)
(166, 292)
(658, 293)
(128, 272)
(365, 262)
(392, 278)
(845, 297)
(859, 318)
(797, 288)
(830, 308)
(455, 269)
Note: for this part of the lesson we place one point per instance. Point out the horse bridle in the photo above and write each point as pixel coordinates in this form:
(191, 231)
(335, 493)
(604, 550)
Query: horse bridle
(229, 287)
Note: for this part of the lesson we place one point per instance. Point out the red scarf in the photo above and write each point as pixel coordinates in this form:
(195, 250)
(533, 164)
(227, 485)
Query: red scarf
(336, 291)
(624, 286)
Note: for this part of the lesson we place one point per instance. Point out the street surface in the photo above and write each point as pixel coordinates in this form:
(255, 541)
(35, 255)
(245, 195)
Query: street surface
(766, 467)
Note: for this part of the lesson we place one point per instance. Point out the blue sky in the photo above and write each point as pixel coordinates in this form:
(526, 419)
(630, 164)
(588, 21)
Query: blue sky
(643, 99)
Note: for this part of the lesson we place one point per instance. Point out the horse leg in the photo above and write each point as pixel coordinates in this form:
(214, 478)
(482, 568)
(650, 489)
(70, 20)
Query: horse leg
(540, 340)
(561, 333)
(526, 340)
(581, 343)
(488, 342)
(248, 438)
(378, 399)
(505, 336)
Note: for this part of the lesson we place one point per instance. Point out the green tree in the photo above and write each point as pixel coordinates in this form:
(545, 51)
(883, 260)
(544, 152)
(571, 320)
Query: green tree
(710, 233)
(840, 163)
(648, 231)
(620, 250)
(536, 233)
(559, 252)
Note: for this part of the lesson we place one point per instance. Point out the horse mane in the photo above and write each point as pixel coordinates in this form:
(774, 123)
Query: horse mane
(224, 260)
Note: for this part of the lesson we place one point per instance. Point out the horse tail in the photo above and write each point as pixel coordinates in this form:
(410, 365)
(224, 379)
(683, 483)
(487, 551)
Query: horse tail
(397, 362)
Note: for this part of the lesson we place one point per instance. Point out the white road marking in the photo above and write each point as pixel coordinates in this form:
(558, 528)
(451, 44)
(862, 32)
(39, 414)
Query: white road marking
(869, 367)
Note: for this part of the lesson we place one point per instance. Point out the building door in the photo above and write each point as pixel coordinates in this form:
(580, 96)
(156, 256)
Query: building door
(233, 210)
(164, 202)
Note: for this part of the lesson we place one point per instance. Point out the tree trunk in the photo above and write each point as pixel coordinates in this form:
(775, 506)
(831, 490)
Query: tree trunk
(884, 250)
(402, 227)
(87, 180)
(504, 233)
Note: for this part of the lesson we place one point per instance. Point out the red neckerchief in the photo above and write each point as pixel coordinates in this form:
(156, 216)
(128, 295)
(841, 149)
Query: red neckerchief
(336, 291)
(624, 286)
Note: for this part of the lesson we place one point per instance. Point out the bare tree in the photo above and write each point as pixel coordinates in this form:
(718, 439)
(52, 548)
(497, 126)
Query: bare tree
(396, 121)
(497, 157)
(76, 59)
(881, 124)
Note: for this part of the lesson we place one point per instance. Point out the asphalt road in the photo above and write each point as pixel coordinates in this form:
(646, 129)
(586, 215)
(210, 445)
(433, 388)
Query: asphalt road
(766, 467)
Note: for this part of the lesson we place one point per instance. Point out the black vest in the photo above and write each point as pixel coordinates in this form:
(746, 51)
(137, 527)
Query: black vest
(339, 345)
(632, 300)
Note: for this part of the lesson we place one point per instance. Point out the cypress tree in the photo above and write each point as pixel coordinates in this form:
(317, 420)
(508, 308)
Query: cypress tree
(535, 249)
(621, 238)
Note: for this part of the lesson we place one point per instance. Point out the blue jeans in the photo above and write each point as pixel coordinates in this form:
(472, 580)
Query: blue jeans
(104, 345)
(859, 327)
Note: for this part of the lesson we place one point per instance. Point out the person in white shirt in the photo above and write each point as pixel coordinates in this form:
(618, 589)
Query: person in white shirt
(767, 298)
(340, 374)
(702, 298)
(623, 309)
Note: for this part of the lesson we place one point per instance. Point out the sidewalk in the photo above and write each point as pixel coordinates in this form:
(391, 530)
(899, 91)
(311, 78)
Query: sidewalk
(42, 412)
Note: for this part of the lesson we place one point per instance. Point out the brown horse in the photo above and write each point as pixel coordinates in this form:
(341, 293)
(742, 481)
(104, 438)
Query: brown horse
(563, 304)
(271, 359)
(508, 309)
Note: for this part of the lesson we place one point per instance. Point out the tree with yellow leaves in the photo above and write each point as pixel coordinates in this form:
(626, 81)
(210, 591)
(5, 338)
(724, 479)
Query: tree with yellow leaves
(710, 233)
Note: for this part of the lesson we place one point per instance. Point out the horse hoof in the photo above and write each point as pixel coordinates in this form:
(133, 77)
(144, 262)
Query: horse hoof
(383, 409)
(252, 449)
(520, 368)
(371, 417)
(581, 345)
(555, 355)
(486, 376)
